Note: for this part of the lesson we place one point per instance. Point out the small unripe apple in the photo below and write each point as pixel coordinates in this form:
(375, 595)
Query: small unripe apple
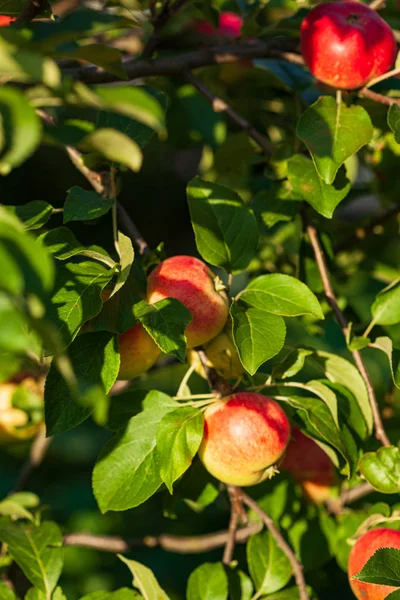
(138, 352)
(245, 436)
(4, 20)
(190, 281)
(310, 466)
(346, 44)
(14, 422)
(361, 552)
(221, 356)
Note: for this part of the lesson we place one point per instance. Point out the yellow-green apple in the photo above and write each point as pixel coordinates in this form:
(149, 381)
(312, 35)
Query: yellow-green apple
(245, 436)
(138, 352)
(190, 281)
(363, 549)
(221, 356)
(14, 422)
(346, 44)
(310, 466)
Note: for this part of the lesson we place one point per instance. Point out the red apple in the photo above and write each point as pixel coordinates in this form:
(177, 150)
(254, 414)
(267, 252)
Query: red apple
(190, 281)
(346, 44)
(310, 466)
(138, 352)
(4, 20)
(229, 26)
(361, 552)
(245, 435)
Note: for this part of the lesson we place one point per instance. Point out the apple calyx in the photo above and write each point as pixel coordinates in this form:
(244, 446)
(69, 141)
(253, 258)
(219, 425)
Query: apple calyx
(219, 285)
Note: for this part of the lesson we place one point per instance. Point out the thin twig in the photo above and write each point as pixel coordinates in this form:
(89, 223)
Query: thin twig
(32, 9)
(181, 63)
(133, 231)
(221, 106)
(362, 232)
(36, 455)
(375, 97)
(355, 493)
(167, 12)
(235, 500)
(380, 433)
(377, 4)
(219, 386)
(173, 543)
(283, 545)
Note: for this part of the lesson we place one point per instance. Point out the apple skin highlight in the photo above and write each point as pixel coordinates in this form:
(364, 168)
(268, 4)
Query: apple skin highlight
(346, 44)
(245, 434)
(361, 552)
(190, 281)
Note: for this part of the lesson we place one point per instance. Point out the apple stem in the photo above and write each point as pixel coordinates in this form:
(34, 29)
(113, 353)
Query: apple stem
(283, 545)
(217, 384)
(387, 75)
(380, 433)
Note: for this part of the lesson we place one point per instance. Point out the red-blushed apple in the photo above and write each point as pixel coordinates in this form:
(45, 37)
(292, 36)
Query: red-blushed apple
(346, 44)
(4, 20)
(310, 466)
(229, 26)
(190, 281)
(138, 352)
(221, 356)
(363, 549)
(245, 436)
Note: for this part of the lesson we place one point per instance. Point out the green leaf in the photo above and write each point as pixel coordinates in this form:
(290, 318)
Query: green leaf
(127, 472)
(393, 119)
(385, 344)
(166, 322)
(22, 127)
(135, 102)
(269, 566)
(62, 244)
(144, 580)
(37, 550)
(382, 469)
(386, 308)
(333, 133)
(83, 205)
(179, 436)
(272, 209)
(95, 360)
(208, 582)
(225, 228)
(281, 295)
(33, 214)
(292, 364)
(106, 57)
(258, 335)
(394, 595)
(6, 593)
(339, 370)
(25, 264)
(35, 594)
(115, 147)
(126, 258)
(77, 296)
(383, 568)
(16, 505)
(306, 182)
(121, 594)
(14, 334)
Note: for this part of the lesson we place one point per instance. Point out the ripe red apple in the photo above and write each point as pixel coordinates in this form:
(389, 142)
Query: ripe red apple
(310, 466)
(4, 20)
(346, 44)
(138, 352)
(361, 552)
(190, 281)
(229, 26)
(245, 435)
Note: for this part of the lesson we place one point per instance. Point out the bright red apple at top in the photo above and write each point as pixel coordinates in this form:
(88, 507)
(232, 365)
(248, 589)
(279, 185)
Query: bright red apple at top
(361, 552)
(190, 281)
(245, 435)
(346, 44)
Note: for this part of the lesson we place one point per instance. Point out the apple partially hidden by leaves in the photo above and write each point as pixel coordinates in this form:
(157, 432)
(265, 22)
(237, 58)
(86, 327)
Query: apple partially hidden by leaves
(245, 436)
(15, 423)
(221, 356)
(5, 20)
(311, 467)
(138, 352)
(190, 281)
(346, 44)
(364, 548)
